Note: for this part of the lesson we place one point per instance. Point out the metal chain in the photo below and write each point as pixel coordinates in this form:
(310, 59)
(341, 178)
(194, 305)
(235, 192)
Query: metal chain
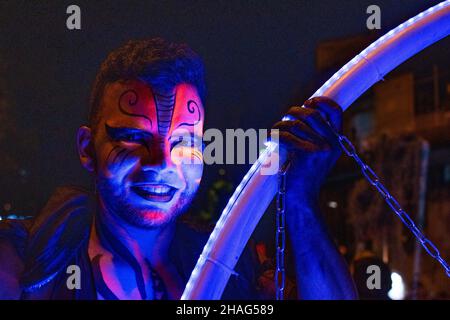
(374, 180)
(280, 241)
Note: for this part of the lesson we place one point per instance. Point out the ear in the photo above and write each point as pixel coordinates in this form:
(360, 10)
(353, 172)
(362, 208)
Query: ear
(85, 146)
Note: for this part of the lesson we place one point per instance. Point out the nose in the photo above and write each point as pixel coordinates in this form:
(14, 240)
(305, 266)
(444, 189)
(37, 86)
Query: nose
(156, 156)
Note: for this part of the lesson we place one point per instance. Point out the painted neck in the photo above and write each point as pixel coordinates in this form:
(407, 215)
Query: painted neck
(149, 245)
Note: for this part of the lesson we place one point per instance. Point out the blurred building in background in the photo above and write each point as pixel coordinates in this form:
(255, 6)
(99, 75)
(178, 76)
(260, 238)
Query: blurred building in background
(401, 127)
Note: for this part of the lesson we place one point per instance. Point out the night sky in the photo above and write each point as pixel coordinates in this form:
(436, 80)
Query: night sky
(259, 57)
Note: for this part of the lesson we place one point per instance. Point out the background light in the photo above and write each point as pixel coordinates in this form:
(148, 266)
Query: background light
(398, 287)
(333, 204)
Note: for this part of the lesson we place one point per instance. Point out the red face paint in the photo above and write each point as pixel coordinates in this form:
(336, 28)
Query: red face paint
(148, 147)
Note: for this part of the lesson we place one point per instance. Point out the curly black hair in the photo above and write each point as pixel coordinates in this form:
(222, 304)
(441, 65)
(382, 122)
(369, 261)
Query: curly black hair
(159, 63)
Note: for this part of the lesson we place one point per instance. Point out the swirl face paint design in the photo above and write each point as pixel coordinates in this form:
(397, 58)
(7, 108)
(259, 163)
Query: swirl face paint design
(145, 146)
(192, 107)
(129, 99)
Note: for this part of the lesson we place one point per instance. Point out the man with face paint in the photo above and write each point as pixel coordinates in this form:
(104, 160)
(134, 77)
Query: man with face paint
(143, 148)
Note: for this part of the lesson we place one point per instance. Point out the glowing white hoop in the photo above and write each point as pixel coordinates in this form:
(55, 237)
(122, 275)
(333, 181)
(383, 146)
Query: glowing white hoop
(255, 192)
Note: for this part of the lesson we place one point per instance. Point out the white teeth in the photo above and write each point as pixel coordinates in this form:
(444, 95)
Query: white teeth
(156, 189)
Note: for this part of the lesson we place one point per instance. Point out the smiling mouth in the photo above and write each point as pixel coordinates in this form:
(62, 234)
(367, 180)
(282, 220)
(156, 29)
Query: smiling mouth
(155, 192)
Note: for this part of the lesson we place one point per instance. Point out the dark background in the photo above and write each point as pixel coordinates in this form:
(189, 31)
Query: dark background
(259, 57)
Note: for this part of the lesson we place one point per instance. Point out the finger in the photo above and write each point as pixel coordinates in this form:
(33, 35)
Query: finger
(329, 109)
(293, 143)
(301, 130)
(314, 120)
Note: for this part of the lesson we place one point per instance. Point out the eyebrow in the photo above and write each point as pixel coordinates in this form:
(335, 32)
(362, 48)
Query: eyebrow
(115, 132)
(185, 134)
(191, 135)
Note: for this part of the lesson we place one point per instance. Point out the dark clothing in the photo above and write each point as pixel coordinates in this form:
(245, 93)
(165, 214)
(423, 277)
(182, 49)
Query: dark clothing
(35, 254)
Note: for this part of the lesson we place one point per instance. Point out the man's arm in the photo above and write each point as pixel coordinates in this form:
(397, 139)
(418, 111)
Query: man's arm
(313, 148)
(320, 269)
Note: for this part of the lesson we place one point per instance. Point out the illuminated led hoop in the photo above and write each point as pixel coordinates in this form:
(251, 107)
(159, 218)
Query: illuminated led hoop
(255, 192)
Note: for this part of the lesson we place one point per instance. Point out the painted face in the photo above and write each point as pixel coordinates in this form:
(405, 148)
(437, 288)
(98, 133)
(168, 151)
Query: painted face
(149, 151)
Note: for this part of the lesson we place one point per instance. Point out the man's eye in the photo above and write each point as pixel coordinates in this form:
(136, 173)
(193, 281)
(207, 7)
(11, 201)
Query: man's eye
(183, 142)
(127, 135)
(131, 137)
